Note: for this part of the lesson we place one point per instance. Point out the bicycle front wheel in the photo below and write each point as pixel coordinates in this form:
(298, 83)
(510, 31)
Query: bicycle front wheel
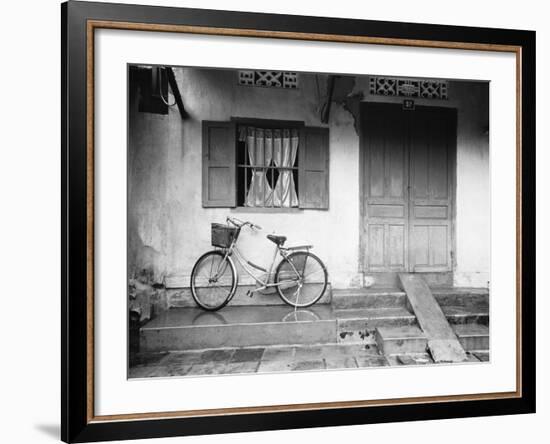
(301, 279)
(213, 280)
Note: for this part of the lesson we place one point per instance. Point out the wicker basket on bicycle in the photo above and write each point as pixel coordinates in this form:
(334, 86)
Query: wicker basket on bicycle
(223, 235)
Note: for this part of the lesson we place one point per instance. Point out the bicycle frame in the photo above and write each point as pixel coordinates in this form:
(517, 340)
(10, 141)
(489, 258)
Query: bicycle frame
(248, 266)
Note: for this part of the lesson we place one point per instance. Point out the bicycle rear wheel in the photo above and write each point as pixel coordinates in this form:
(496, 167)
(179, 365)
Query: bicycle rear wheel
(213, 280)
(301, 279)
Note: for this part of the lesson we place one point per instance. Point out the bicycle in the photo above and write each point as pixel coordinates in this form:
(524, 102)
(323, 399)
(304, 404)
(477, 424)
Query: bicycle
(300, 277)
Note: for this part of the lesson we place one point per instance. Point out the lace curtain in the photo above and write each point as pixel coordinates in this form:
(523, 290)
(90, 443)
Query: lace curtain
(269, 150)
(285, 148)
(259, 145)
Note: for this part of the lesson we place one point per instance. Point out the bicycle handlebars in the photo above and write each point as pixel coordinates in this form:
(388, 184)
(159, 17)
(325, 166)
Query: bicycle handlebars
(240, 223)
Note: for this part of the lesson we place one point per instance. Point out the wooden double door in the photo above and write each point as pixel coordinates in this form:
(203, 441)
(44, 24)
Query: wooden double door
(407, 191)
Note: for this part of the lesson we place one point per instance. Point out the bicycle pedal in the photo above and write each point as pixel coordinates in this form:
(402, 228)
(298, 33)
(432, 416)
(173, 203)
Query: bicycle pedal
(249, 293)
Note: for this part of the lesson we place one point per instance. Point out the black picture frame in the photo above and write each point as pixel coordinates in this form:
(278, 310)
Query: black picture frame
(77, 424)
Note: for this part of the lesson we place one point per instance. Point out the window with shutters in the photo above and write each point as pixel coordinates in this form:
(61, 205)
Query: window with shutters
(256, 163)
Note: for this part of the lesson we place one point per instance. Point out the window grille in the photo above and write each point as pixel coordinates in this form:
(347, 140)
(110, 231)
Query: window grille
(270, 79)
(401, 87)
(268, 167)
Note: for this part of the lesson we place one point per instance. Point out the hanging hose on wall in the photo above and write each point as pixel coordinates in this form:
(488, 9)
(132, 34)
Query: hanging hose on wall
(161, 70)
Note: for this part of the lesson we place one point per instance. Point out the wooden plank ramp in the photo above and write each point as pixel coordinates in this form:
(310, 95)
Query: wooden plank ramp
(442, 341)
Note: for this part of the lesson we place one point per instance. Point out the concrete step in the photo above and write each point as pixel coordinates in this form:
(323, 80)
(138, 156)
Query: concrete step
(473, 337)
(182, 298)
(391, 279)
(368, 298)
(193, 328)
(466, 315)
(387, 297)
(473, 298)
(358, 325)
(374, 317)
(400, 340)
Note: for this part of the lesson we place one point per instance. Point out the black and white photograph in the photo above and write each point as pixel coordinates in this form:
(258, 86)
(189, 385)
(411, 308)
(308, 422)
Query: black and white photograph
(282, 221)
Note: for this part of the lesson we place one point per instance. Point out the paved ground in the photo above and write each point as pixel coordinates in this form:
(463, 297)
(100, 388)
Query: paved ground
(270, 360)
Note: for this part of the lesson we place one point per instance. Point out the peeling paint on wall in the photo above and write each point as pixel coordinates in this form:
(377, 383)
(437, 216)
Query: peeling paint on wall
(352, 104)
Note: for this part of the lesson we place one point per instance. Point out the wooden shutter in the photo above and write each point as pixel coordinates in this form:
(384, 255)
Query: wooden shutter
(219, 168)
(313, 166)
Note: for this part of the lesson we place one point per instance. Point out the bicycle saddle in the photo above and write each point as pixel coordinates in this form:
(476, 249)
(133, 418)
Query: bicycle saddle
(279, 240)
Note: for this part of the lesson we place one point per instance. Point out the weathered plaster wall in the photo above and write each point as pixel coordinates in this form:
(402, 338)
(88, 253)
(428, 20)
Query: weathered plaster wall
(169, 229)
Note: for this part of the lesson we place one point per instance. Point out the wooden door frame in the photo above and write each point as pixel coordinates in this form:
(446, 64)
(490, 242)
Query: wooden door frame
(363, 147)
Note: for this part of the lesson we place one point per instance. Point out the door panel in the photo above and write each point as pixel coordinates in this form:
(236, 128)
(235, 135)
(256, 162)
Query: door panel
(396, 246)
(408, 167)
(385, 194)
(420, 250)
(376, 241)
(431, 152)
(429, 247)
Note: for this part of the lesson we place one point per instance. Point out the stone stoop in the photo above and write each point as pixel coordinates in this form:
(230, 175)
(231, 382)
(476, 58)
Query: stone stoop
(368, 298)
(411, 339)
(473, 337)
(467, 311)
(401, 340)
(359, 325)
(365, 316)
(180, 329)
(359, 311)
